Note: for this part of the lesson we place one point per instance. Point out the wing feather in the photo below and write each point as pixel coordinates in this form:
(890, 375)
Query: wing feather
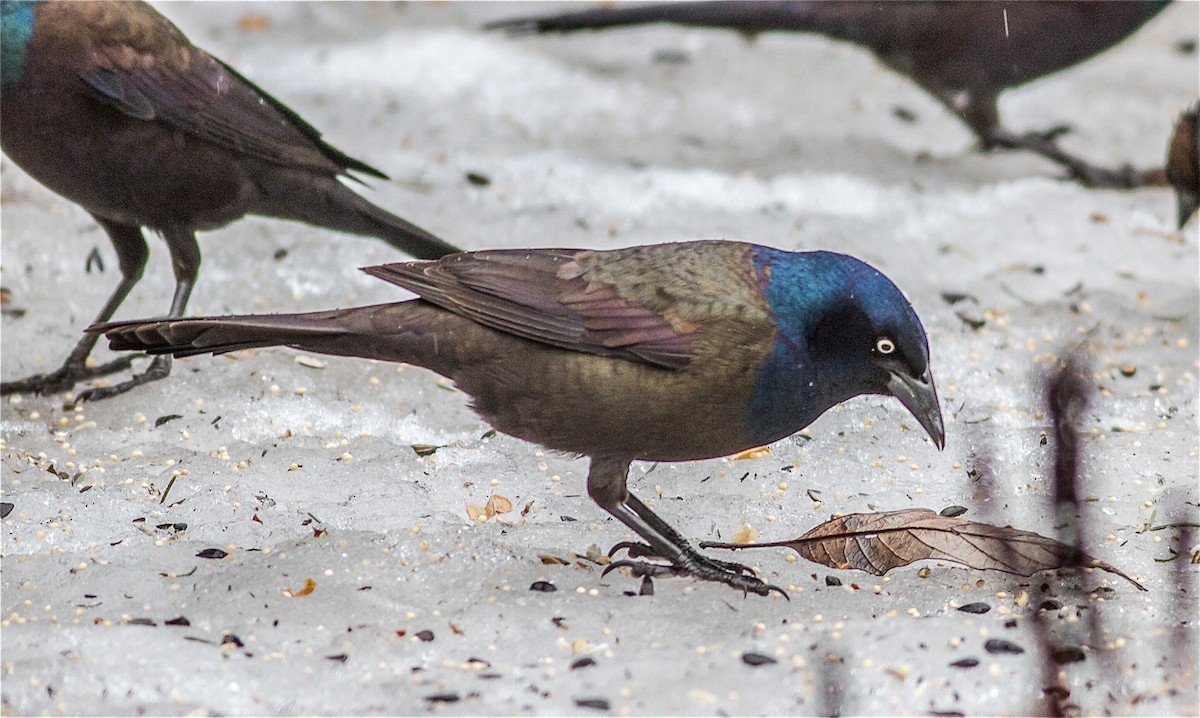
(547, 296)
(193, 91)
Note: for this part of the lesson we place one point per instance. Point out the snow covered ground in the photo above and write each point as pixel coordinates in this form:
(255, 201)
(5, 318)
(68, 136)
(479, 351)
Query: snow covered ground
(355, 580)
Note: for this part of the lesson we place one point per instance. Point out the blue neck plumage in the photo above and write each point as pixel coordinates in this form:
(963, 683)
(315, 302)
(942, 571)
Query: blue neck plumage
(16, 29)
(788, 395)
(789, 392)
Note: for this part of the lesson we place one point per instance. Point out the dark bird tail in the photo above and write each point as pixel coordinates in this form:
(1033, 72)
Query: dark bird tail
(324, 201)
(747, 16)
(401, 331)
(359, 216)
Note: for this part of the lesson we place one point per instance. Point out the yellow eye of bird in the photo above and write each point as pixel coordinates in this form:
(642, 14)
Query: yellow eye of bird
(885, 345)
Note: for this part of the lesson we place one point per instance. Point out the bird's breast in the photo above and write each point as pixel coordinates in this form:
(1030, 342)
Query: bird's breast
(592, 405)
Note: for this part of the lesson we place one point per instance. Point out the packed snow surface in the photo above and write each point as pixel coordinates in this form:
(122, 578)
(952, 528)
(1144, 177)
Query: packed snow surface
(354, 578)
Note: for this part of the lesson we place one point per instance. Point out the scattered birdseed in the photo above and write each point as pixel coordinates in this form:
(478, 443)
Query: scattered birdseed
(1001, 645)
(757, 659)
(310, 362)
(1068, 654)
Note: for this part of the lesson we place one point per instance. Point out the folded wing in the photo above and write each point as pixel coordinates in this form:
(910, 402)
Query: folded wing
(547, 296)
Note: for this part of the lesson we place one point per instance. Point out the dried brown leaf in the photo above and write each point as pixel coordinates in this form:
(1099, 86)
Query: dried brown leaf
(878, 542)
(498, 504)
(309, 586)
(426, 449)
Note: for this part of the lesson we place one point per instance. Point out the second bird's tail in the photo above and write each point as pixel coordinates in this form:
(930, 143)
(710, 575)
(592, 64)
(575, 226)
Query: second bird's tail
(358, 216)
(323, 201)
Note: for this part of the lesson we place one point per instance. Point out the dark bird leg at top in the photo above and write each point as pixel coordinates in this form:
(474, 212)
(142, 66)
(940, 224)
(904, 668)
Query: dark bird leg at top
(1045, 144)
(964, 53)
(132, 255)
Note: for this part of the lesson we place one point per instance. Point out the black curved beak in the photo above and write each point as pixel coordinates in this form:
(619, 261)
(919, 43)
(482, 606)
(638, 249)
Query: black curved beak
(919, 396)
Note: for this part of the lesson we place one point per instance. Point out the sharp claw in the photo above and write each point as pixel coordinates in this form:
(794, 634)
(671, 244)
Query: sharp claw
(636, 549)
(158, 369)
(614, 566)
(773, 587)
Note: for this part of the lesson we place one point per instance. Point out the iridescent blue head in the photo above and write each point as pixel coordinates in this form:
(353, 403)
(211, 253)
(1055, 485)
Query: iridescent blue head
(844, 330)
(16, 29)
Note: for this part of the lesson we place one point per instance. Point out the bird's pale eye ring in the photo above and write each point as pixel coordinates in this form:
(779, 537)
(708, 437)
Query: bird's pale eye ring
(885, 345)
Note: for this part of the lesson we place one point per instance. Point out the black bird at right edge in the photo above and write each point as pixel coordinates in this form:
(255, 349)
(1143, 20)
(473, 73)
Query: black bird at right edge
(962, 52)
(1183, 164)
(109, 105)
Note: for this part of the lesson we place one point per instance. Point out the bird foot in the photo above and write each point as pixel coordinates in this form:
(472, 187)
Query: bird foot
(63, 378)
(1045, 143)
(695, 565)
(1051, 134)
(645, 569)
(1124, 177)
(158, 369)
(637, 550)
(1003, 139)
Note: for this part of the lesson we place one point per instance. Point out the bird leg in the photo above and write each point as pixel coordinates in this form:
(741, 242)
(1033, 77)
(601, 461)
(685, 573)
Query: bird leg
(1046, 145)
(73, 371)
(132, 254)
(185, 259)
(606, 486)
(1050, 134)
(670, 546)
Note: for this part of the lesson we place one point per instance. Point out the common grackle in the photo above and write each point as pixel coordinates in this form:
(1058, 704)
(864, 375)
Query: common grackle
(962, 52)
(669, 352)
(110, 106)
(1183, 164)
